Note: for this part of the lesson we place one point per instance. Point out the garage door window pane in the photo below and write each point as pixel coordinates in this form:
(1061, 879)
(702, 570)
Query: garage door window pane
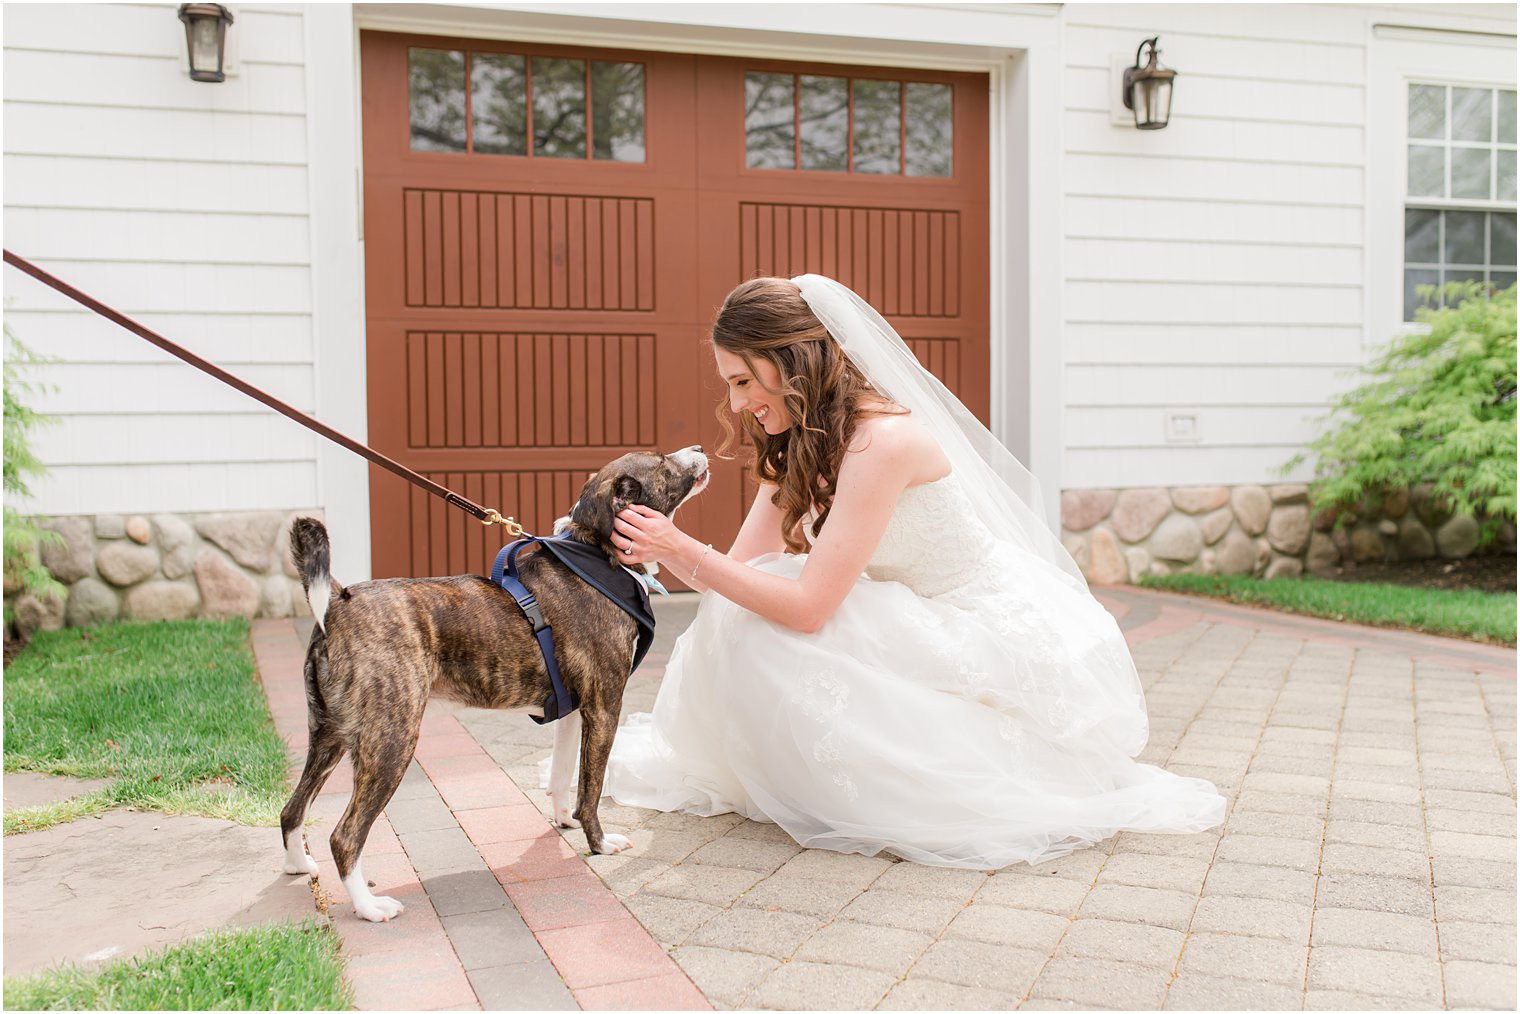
(1422, 236)
(1506, 172)
(1506, 117)
(770, 112)
(1427, 171)
(1502, 240)
(930, 129)
(499, 103)
(1427, 112)
(559, 108)
(825, 123)
(1471, 173)
(878, 126)
(437, 99)
(617, 111)
(1471, 114)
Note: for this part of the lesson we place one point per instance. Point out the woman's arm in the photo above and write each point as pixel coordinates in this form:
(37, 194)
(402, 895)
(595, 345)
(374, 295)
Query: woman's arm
(760, 534)
(871, 477)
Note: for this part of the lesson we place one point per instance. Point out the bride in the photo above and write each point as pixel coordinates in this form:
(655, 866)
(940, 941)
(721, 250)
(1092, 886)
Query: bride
(896, 654)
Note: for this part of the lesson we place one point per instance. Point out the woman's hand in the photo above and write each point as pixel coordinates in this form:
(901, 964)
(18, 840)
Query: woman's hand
(641, 535)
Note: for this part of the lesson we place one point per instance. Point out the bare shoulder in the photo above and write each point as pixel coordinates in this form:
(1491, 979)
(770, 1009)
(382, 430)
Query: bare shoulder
(899, 443)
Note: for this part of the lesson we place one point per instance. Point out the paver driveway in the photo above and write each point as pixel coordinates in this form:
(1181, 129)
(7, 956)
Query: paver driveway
(1368, 860)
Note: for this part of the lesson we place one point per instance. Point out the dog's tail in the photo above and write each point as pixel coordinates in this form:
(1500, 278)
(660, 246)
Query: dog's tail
(312, 552)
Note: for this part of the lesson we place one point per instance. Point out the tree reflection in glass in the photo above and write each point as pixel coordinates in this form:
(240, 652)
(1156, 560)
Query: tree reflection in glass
(559, 107)
(437, 99)
(499, 103)
(769, 112)
(825, 123)
(878, 126)
(930, 134)
(617, 111)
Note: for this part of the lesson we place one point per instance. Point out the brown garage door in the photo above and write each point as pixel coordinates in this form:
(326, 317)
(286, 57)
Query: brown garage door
(549, 231)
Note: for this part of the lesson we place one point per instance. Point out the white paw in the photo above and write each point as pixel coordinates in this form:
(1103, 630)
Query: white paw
(564, 813)
(296, 867)
(378, 908)
(611, 844)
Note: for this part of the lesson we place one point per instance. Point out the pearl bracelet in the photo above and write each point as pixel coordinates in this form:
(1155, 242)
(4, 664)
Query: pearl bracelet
(694, 570)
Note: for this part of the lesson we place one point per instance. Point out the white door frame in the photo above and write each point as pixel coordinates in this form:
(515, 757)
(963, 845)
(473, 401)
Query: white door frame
(1019, 51)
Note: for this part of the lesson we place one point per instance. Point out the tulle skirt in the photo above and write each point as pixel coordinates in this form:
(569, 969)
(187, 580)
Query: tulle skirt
(988, 726)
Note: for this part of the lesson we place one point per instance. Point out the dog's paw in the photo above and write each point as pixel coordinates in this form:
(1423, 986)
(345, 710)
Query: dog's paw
(378, 908)
(611, 844)
(564, 813)
(298, 866)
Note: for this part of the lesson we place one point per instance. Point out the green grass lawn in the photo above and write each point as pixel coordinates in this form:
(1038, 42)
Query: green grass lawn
(171, 712)
(1475, 615)
(280, 967)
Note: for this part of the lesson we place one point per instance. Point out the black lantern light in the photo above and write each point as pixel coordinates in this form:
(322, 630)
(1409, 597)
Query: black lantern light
(1148, 89)
(206, 37)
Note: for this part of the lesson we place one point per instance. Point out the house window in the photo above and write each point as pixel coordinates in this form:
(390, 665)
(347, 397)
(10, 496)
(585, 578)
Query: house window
(1459, 207)
(838, 124)
(510, 104)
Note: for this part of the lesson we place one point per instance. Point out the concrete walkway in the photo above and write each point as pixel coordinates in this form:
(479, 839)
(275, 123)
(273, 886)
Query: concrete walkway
(1368, 860)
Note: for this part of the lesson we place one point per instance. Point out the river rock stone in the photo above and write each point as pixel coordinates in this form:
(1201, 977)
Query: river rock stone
(1284, 566)
(1076, 547)
(1458, 537)
(138, 530)
(124, 563)
(1288, 529)
(162, 600)
(1139, 562)
(1252, 507)
(1236, 554)
(74, 558)
(110, 526)
(1323, 558)
(1263, 555)
(275, 596)
(1415, 542)
(1342, 539)
(1388, 526)
(1198, 499)
(225, 590)
(248, 537)
(1178, 539)
(33, 613)
(1215, 525)
(1323, 519)
(177, 540)
(1396, 504)
(91, 602)
(1367, 545)
(1291, 493)
(1107, 565)
(1083, 508)
(1137, 512)
(1428, 506)
(1506, 536)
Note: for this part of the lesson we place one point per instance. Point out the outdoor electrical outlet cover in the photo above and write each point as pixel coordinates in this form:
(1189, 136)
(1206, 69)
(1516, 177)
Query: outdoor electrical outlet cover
(1182, 426)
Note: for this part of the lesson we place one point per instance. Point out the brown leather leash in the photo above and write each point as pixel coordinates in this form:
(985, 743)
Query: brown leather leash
(485, 515)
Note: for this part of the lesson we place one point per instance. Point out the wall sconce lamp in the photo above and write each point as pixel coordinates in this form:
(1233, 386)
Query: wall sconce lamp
(1148, 89)
(206, 38)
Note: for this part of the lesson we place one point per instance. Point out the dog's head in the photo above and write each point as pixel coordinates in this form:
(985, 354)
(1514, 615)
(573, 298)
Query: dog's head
(660, 482)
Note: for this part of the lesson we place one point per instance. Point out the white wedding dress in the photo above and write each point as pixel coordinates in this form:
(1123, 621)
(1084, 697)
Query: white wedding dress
(968, 705)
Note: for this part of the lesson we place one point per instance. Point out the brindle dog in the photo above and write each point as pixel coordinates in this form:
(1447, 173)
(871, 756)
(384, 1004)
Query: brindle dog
(381, 647)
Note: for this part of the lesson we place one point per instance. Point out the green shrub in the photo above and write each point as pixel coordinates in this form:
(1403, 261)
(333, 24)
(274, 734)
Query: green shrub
(1438, 408)
(23, 540)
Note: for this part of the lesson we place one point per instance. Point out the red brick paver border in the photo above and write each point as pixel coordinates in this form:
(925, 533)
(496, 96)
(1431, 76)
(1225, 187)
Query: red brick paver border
(601, 952)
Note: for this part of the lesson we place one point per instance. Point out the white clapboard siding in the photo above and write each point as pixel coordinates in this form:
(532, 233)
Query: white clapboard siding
(1216, 267)
(183, 205)
(1092, 427)
(170, 388)
(1129, 467)
(192, 487)
(262, 435)
(146, 236)
(227, 340)
(1213, 221)
(139, 82)
(52, 181)
(1232, 345)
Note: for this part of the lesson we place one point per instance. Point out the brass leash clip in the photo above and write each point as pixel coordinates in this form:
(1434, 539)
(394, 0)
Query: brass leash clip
(493, 517)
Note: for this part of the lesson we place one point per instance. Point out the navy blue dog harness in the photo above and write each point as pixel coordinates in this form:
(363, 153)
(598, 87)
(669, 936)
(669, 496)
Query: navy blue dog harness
(590, 564)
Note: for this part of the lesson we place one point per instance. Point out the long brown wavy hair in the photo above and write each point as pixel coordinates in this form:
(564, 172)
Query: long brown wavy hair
(825, 395)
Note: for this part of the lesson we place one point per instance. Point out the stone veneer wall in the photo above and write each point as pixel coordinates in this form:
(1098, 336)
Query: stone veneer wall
(1121, 535)
(167, 567)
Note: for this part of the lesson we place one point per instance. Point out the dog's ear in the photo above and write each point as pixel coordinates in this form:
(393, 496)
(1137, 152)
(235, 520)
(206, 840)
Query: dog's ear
(627, 490)
(593, 511)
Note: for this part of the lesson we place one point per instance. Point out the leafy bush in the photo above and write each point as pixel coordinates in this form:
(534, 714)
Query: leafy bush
(1437, 408)
(23, 539)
